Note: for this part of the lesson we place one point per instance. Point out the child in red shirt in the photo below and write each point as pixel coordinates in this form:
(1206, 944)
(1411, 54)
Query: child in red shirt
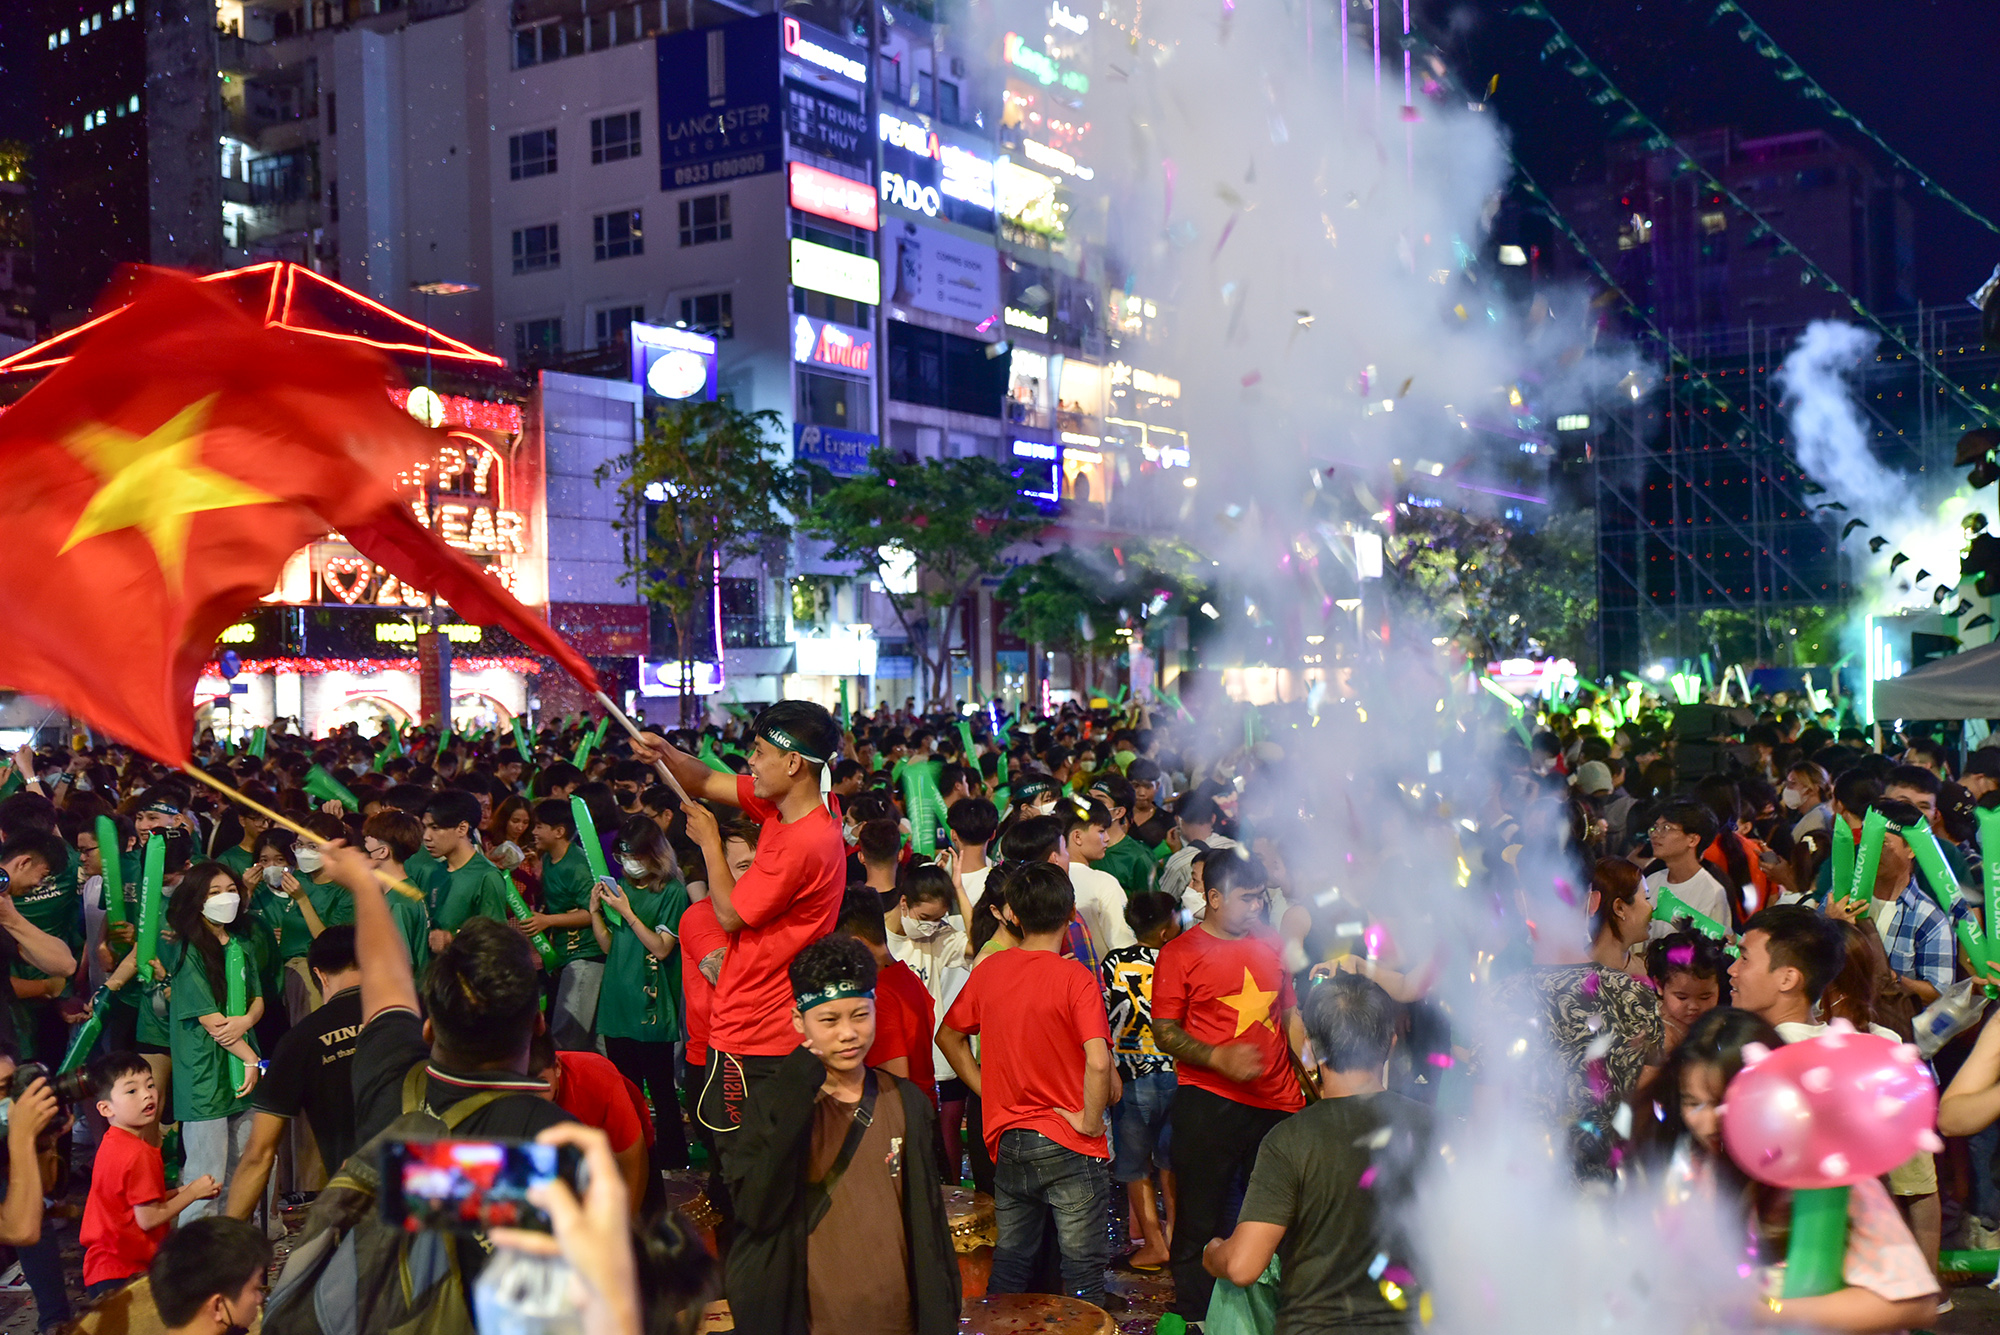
(129, 1211)
(1044, 1079)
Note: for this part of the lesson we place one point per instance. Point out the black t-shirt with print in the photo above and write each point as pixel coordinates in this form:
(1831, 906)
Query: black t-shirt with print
(311, 1072)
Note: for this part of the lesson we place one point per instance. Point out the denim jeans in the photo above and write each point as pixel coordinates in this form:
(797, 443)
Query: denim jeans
(1033, 1176)
(212, 1147)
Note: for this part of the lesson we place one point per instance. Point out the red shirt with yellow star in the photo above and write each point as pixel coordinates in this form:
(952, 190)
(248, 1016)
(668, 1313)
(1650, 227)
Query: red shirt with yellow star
(1229, 992)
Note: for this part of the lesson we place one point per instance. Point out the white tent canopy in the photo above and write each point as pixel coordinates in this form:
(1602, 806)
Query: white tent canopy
(1962, 685)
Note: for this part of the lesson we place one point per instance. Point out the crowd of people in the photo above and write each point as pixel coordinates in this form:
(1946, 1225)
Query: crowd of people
(838, 965)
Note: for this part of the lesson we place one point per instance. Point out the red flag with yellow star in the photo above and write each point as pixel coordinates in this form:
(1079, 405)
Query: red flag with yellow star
(153, 486)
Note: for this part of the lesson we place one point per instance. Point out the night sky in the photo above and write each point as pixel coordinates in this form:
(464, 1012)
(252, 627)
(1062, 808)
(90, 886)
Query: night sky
(1919, 72)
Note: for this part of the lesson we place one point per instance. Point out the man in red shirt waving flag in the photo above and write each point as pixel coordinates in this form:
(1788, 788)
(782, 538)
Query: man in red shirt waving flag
(152, 487)
(1224, 1010)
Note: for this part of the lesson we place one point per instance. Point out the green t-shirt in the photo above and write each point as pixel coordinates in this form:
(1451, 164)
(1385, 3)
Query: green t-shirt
(566, 886)
(641, 996)
(56, 907)
(202, 1088)
(1130, 862)
(414, 922)
(428, 875)
(333, 902)
(238, 859)
(477, 889)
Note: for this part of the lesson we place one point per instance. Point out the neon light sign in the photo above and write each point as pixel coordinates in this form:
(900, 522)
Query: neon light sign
(1041, 65)
(824, 343)
(836, 197)
(798, 44)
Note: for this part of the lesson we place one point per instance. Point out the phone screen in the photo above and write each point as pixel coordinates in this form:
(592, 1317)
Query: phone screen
(469, 1184)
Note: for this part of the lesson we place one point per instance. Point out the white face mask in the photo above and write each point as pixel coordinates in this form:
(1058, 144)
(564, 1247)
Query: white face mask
(222, 907)
(633, 867)
(273, 876)
(922, 929)
(308, 858)
(1792, 799)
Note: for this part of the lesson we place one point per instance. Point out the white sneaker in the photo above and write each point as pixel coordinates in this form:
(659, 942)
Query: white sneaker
(1944, 1305)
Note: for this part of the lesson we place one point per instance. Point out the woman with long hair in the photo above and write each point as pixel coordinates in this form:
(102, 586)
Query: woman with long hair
(1620, 916)
(637, 924)
(207, 913)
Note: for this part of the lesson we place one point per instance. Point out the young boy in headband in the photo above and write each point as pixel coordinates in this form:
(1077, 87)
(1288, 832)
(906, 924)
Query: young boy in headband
(840, 1220)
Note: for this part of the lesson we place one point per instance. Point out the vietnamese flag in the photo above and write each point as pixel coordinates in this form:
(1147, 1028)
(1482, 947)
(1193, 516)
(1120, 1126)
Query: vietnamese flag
(153, 486)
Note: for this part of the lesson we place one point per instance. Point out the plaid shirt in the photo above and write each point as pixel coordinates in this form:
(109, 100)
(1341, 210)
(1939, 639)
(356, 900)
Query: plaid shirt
(1919, 942)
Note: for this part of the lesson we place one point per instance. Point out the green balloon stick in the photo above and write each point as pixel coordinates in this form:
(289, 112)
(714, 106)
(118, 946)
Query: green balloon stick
(593, 851)
(1944, 889)
(526, 752)
(1671, 907)
(1819, 1242)
(112, 857)
(1873, 826)
(539, 940)
(86, 1033)
(236, 1000)
(152, 882)
(1843, 855)
(1989, 839)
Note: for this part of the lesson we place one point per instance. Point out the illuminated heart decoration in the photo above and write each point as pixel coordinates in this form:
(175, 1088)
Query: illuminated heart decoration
(356, 572)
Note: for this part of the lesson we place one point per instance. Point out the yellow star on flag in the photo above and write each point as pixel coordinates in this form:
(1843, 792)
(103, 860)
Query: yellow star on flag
(155, 483)
(1252, 1005)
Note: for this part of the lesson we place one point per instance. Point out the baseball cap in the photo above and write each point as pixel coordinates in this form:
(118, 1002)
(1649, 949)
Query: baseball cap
(1593, 776)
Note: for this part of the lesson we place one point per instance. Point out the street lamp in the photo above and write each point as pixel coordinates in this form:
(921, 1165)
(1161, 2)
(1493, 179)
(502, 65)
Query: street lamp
(441, 288)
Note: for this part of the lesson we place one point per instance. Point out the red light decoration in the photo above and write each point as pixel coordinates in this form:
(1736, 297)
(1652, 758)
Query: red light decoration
(464, 412)
(362, 666)
(356, 573)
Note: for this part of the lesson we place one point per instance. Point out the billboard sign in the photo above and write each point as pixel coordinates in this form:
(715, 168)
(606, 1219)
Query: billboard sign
(673, 363)
(721, 113)
(830, 196)
(830, 127)
(838, 347)
(945, 275)
(842, 453)
(838, 273)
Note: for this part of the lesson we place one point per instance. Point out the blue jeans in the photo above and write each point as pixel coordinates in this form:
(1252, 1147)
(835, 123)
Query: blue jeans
(1033, 1175)
(1139, 1126)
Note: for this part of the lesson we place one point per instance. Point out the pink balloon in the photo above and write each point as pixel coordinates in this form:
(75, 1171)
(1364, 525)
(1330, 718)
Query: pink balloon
(1830, 1111)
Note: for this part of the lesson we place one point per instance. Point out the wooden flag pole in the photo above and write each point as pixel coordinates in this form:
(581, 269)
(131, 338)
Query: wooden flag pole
(632, 730)
(286, 823)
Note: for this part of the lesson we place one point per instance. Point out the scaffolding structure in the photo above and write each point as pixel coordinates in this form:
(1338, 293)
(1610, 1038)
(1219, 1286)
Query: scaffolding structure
(1700, 508)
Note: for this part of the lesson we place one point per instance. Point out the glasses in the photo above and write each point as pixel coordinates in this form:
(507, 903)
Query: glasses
(1667, 827)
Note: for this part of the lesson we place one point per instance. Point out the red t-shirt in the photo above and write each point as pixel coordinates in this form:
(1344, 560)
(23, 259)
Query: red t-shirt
(904, 1025)
(789, 898)
(128, 1172)
(700, 936)
(1036, 1010)
(594, 1093)
(1229, 992)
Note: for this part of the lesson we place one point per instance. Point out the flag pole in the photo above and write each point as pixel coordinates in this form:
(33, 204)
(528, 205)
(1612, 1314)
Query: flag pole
(633, 731)
(286, 823)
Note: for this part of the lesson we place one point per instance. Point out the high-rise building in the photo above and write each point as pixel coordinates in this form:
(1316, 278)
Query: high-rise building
(17, 248)
(1696, 262)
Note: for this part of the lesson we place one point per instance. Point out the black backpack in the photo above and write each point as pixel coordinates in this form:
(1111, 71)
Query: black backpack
(354, 1273)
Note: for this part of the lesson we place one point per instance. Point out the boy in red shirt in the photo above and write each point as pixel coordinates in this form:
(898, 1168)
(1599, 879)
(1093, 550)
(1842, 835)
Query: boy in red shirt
(129, 1210)
(590, 1088)
(1224, 1010)
(904, 1017)
(1044, 1079)
(788, 898)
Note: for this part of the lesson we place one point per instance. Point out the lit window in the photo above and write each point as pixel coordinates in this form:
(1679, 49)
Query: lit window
(536, 248)
(52, 41)
(96, 22)
(617, 235)
(65, 36)
(1714, 222)
(133, 105)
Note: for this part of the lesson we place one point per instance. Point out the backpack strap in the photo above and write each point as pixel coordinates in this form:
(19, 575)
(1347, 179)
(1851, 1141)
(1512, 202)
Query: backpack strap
(819, 1195)
(415, 1086)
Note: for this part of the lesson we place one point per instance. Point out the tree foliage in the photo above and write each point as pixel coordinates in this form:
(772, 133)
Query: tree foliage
(706, 485)
(1507, 591)
(955, 517)
(1075, 600)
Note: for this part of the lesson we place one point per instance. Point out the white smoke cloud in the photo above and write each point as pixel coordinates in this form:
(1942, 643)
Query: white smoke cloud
(1831, 438)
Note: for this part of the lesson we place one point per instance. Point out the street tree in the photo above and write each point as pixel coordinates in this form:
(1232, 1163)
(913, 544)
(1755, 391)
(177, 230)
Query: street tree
(1076, 601)
(707, 484)
(928, 531)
